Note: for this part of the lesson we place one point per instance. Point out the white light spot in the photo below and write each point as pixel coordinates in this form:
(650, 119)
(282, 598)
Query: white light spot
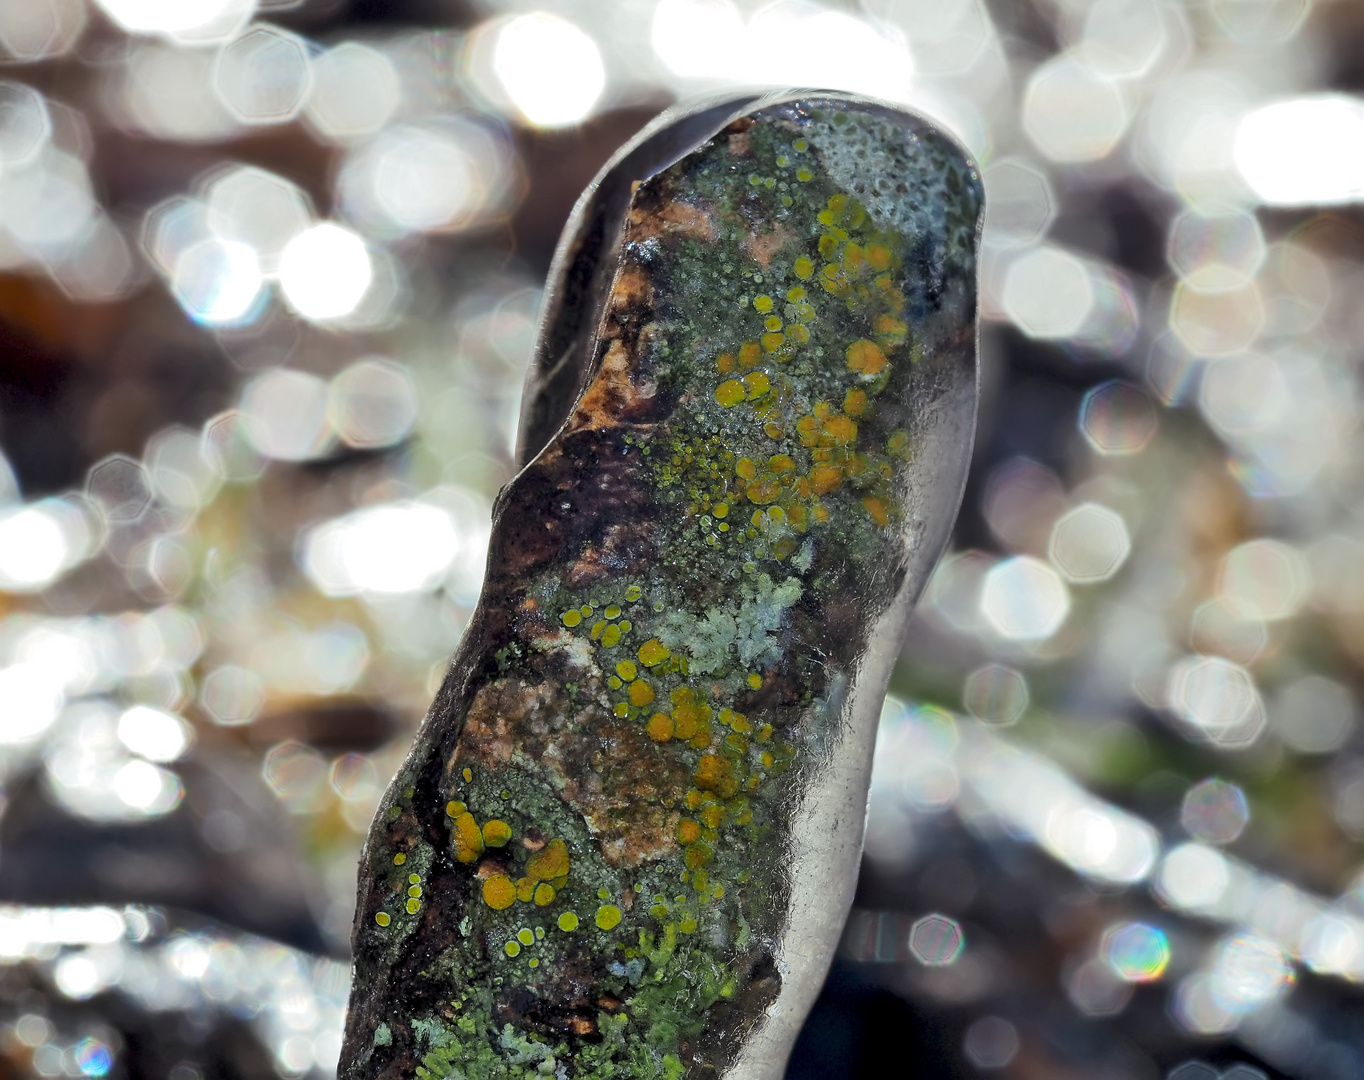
(700, 39)
(373, 403)
(1248, 973)
(1193, 877)
(1024, 599)
(325, 272)
(355, 91)
(1217, 698)
(1048, 293)
(552, 71)
(1089, 543)
(398, 548)
(156, 735)
(171, 17)
(32, 698)
(77, 977)
(285, 414)
(1267, 576)
(231, 695)
(217, 282)
(1304, 152)
(1072, 113)
(263, 76)
(147, 788)
(259, 209)
(794, 43)
(25, 126)
(36, 29)
(33, 549)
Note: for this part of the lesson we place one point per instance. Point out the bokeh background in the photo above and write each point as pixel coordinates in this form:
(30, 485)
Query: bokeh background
(269, 280)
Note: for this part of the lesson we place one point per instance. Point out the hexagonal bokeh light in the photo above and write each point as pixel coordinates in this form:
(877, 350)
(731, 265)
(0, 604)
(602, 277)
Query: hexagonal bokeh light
(995, 694)
(1136, 952)
(550, 68)
(1116, 418)
(1089, 543)
(1214, 811)
(1072, 113)
(1024, 599)
(264, 76)
(936, 941)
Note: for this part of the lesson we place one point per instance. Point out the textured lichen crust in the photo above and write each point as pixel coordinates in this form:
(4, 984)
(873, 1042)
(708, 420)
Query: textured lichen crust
(583, 869)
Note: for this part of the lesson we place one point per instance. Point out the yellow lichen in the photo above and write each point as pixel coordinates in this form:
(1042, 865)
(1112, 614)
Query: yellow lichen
(608, 916)
(382, 918)
(544, 894)
(626, 670)
(512, 949)
(413, 906)
(716, 774)
(525, 889)
(771, 341)
(764, 490)
(839, 430)
(568, 922)
(641, 694)
(889, 331)
(549, 863)
(496, 833)
(467, 837)
(825, 478)
(499, 893)
(876, 507)
(652, 653)
(756, 384)
(571, 618)
(750, 353)
(399, 859)
(660, 727)
(865, 357)
(688, 832)
(762, 304)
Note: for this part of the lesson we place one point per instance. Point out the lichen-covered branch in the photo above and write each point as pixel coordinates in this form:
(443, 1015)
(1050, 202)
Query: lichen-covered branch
(592, 862)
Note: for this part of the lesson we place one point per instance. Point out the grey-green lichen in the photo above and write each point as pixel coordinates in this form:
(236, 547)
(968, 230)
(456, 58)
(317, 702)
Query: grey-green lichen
(582, 874)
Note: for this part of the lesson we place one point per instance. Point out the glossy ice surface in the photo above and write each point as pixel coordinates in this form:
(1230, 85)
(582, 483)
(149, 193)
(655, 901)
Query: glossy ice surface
(625, 839)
